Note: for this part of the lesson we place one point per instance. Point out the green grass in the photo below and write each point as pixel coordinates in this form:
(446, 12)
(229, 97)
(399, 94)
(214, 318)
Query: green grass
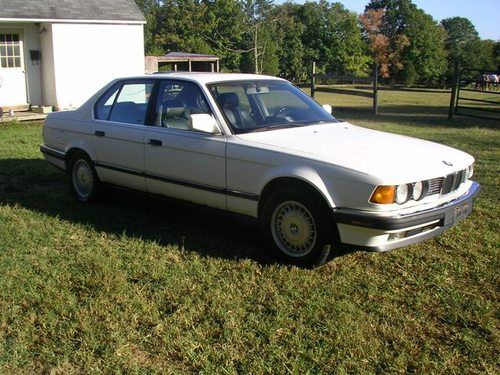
(134, 285)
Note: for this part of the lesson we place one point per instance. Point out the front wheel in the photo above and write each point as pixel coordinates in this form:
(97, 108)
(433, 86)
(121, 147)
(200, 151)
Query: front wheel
(85, 184)
(296, 225)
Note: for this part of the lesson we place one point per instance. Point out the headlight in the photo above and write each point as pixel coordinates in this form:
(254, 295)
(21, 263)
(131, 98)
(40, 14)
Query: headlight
(470, 171)
(400, 194)
(403, 193)
(420, 189)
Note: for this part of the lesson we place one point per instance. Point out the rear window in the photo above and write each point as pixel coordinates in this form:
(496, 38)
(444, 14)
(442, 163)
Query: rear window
(105, 102)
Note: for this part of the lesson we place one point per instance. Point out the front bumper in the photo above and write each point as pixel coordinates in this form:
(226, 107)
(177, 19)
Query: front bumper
(374, 232)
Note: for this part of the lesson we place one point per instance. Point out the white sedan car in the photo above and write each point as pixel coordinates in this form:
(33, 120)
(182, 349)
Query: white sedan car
(259, 146)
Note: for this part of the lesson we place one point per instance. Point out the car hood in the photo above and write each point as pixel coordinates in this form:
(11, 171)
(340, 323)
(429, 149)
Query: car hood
(390, 157)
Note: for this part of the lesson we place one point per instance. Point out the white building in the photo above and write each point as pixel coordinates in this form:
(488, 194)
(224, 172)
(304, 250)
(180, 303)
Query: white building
(57, 53)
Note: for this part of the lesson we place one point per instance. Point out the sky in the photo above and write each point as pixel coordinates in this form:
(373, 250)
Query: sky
(484, 14)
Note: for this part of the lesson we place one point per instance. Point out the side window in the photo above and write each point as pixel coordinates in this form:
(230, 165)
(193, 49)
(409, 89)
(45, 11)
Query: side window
(177, 100)
(132, 103)
(105, 102)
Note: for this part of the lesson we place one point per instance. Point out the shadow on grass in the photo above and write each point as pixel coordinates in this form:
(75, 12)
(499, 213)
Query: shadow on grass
(35, 185)
(412, 115)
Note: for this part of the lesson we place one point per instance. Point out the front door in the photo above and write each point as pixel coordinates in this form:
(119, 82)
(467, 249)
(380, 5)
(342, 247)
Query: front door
(12, 72)
(180, 162)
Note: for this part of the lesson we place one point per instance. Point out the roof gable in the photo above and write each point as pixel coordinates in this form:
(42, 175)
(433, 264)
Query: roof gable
(88, 10)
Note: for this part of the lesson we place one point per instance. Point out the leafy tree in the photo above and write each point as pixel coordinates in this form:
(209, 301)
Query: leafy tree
(496, 55)
(426, 51)
(378, 43)
(396, 17)
(182, 25)
(462, 40)
(226, 25)
(260, 36)
(486, 59)
(332, 38)
(415, 40)
(150, 10)
(291, 50)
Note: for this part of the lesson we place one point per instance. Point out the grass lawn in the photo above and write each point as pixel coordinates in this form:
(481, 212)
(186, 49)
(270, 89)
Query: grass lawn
(138, 285)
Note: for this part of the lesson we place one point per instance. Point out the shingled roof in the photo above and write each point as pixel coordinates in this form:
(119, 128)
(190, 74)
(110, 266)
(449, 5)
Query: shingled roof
(88, 10)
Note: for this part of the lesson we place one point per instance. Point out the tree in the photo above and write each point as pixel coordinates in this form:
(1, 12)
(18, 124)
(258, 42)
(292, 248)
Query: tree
(396, 15)
(416, 42)
(487, 57)
(496, 55)
(181, 26)
(463, 45)
(291, 50)
(426, 50)
(332, 38)
(378, 43)
(461, 40)
(225, 31)
(261, 37)
(150, 10)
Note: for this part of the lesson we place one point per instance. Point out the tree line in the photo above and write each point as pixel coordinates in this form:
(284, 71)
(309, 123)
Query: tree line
(261, 36)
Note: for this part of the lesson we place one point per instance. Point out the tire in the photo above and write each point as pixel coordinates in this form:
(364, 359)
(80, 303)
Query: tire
(297, 226)
(85, 184)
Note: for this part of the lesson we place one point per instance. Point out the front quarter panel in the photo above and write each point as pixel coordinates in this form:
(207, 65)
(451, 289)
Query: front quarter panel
(251, 167)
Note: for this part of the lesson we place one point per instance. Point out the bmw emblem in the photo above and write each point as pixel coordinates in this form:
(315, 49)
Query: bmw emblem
(448, 163)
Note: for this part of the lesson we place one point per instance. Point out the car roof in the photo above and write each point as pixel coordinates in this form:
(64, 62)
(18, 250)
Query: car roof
(204, 78)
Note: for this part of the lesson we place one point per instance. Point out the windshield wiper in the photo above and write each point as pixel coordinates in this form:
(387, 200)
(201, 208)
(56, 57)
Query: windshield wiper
(271, 127)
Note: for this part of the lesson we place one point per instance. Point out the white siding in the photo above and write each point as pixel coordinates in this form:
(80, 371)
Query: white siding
(87, 56)
(48, 74)
(33, 68)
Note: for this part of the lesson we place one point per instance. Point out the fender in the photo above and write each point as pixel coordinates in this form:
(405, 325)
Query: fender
(304, 173)
(82, 145)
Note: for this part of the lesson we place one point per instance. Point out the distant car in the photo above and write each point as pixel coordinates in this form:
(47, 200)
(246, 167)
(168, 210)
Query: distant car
(259, 146)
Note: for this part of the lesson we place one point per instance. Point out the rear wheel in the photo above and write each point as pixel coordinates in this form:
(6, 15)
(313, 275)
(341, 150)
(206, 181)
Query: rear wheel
(297, 226)
(85, 184)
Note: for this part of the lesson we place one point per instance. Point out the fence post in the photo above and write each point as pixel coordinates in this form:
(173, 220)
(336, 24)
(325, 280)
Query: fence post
(375, 88)
(313, 79)
(451, 109)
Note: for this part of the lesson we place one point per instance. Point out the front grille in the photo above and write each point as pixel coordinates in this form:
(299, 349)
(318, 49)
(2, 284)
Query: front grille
(435, 185)
(448, 184)
(453, 181)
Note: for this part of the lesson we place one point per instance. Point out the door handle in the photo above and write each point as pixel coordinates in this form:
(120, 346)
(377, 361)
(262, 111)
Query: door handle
(154, 142)
(99, 133)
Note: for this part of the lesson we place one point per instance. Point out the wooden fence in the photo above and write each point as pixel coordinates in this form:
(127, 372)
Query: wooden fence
(373, 80)
(473, 96)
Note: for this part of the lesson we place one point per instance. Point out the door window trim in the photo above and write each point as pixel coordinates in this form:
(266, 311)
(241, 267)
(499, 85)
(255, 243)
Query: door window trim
(176, 130)
(119, 86)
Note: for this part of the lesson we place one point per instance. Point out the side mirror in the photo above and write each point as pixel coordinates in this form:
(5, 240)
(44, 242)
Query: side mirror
(203, 122)
(328, 108)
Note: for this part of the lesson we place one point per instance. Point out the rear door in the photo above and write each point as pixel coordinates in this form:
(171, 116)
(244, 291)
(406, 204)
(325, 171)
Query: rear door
(118, 141)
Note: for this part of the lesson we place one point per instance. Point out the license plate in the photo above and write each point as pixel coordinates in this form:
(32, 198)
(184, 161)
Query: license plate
(461, 211)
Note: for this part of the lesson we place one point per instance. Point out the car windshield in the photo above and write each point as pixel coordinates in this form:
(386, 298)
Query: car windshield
(250, 106)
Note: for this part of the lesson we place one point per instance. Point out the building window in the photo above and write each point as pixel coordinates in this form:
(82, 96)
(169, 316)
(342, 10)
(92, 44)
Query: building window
(10, 51)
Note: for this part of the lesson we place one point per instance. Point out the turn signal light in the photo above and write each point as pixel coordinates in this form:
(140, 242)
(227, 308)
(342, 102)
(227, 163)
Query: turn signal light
(383, 195)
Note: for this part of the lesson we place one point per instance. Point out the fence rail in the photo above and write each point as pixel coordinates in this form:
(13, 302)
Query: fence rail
(345, 78)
